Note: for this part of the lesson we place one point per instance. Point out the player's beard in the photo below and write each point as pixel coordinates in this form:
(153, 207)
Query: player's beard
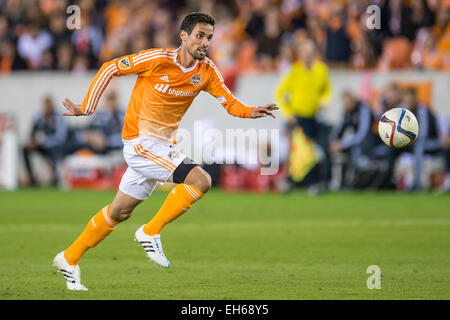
(196, 55)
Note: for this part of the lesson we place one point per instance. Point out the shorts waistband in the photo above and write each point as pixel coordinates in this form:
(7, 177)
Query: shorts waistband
(143, 138)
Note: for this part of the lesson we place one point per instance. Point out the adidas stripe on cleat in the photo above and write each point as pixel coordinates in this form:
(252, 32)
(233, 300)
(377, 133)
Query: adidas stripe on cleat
(70, 273)
(152, 246)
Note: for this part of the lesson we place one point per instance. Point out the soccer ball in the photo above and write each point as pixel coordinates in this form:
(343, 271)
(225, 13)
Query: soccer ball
(398, 128)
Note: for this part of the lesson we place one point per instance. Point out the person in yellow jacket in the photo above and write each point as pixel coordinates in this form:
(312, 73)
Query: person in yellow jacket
(301, 93)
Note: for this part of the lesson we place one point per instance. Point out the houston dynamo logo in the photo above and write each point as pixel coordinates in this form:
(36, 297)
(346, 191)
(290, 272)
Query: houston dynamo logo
(196, 80)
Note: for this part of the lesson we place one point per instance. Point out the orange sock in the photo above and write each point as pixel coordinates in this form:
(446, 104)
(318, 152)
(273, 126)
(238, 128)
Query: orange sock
(96, 230)
(179, 200)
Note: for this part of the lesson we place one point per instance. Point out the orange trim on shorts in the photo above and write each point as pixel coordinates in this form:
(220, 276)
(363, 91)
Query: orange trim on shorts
(167, 162)
(154, 159)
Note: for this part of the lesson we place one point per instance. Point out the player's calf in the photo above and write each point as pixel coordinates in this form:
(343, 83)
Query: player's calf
(193, 183)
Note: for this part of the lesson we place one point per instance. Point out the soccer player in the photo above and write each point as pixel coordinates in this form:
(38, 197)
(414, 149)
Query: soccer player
(168, 81)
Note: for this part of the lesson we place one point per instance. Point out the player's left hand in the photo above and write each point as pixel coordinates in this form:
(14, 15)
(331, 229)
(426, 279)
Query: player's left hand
(74, 109)
(260, 112)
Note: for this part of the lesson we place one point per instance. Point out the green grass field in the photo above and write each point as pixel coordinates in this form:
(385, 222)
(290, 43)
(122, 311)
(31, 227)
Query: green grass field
(234, 246)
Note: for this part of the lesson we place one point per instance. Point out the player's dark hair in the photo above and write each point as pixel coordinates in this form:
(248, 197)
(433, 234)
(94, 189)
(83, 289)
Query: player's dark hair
(191, 20)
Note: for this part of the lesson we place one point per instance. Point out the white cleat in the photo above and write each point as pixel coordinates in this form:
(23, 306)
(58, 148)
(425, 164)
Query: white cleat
(152, 246)
(71, 273)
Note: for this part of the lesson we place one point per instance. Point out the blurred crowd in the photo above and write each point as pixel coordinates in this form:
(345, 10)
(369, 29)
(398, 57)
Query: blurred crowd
(54, 139)
(350, 154)
(358, 159)
(254, 35)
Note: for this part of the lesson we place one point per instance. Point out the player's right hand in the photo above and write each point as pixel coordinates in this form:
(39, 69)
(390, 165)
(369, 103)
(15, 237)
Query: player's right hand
(259, 112)
(74, 109)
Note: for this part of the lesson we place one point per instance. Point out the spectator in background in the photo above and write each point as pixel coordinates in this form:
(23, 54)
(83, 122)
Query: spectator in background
(141, 42)
(396, 54)
(32, 14)
(292, 14)
(384, 156)
(108, 123)
(269, 42)
(441, 28)
(285, 58)
(428, 140)
(110, 28)
(433, 57)
(32, 44)
(255, 25)
(316, 32)
(48, 135)
(64, 57)
(420, 16)
(89, 39)
(402, 19)
(366, 43)
(300, 95)
(163, 39)
(441, 32)
(394, 20)
(47, 61)
(352, 136)
(9, 59)
(104, 133)
(13, 10)
(338, 42)
(80, 64)
(59, 31)
(5, 33)
(390, 98)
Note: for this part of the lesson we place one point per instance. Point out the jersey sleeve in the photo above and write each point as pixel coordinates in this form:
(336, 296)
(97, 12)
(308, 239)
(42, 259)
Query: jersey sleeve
(122, 66)
(217, 88)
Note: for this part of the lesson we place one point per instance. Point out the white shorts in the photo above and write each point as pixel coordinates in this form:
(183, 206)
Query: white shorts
(149, 162)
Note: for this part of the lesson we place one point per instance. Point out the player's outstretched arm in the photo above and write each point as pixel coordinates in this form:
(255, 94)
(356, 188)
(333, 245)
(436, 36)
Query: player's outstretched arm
(259, 112)
(73, 109)
(217, 88)
(125, 65)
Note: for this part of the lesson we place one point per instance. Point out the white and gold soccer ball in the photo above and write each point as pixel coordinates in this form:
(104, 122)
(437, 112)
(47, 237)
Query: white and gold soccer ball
(398, 128)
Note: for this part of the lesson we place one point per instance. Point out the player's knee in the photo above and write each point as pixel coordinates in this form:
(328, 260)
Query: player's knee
(203, 181)
(120, 214)
(199, 178)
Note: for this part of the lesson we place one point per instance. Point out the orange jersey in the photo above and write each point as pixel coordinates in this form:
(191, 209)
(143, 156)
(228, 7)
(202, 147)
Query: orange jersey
(163, 91)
